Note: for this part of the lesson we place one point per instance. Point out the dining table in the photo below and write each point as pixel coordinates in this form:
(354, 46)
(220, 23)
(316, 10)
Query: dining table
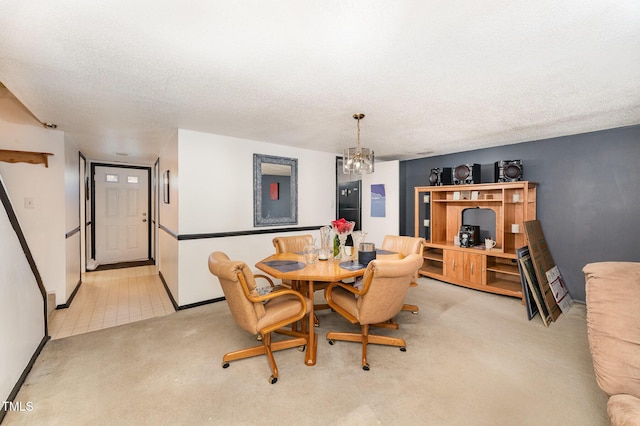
(292, 266)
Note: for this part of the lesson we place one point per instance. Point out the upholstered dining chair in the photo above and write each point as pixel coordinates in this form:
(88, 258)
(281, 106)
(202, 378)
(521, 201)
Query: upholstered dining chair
(384, 287)
(291, 244)
(259, 314)
(295, 244)
(405, 246)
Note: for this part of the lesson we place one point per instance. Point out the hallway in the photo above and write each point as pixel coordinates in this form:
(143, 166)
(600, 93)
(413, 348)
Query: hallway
(112, 297)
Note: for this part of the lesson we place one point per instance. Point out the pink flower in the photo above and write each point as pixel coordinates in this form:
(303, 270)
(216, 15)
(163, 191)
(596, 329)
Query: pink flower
(341, 225)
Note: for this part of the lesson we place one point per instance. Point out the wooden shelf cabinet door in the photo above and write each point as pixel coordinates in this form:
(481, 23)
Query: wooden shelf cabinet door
(464, 268)
(454, 265)
(474, 268)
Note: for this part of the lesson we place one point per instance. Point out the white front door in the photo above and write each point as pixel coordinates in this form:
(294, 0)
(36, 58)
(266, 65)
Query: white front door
(121, 214)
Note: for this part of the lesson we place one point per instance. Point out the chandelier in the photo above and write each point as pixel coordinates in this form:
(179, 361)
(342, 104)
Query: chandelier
(357, 160)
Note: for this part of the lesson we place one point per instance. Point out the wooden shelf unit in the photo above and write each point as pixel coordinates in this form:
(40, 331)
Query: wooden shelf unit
(438, 217)
(11, 156)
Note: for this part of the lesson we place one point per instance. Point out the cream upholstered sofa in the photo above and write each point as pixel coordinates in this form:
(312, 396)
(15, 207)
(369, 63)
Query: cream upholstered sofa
(613, 327)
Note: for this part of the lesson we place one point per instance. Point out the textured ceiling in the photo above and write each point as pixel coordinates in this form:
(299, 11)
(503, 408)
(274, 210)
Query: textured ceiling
(432, 77)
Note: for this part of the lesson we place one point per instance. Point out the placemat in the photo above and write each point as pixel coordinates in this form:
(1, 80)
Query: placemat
(285, 265)
(352, 265)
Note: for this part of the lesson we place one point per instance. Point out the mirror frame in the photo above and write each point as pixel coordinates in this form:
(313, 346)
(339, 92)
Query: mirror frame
(258, 220)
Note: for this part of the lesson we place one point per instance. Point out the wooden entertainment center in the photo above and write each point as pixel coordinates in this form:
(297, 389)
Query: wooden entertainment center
(440, 212)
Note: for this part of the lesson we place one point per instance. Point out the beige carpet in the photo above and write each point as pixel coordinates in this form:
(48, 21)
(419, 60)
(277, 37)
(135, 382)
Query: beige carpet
(472, 359)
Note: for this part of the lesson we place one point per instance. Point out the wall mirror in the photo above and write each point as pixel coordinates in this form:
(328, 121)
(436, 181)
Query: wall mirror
(275, 190)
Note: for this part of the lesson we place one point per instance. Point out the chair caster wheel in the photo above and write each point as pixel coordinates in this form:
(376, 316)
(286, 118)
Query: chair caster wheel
(302, 348)
(414, 312)
(272, 379)
(403, 349)
(316, 324)
(365, 367)
(331, 342)
(225, 365)
(259, 337)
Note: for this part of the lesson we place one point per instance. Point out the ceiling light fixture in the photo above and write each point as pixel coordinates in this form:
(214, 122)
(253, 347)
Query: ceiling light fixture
(358, 160)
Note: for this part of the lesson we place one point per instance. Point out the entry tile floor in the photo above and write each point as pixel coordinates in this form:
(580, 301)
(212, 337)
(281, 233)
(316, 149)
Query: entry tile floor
(112, 297)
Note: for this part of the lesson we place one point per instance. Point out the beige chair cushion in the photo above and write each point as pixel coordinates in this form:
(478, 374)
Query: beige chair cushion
(613, 325)
(244, 312)
(403, 245)
(252, 317)
(386, 294)
(280, 308)
(292, 244)
(624, 410)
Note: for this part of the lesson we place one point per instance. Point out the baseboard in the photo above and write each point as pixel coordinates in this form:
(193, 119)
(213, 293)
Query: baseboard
(122, 265)
(73, 294)
(204, 302)
(23, 377)
(166, 288)
(189, 306)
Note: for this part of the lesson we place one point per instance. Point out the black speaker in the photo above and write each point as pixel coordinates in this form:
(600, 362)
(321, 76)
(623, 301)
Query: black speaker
(439, 177)
(469, 235)
(465, 174)
(509, 170)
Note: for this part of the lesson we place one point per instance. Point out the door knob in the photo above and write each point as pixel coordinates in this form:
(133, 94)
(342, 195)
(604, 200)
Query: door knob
(144, 220)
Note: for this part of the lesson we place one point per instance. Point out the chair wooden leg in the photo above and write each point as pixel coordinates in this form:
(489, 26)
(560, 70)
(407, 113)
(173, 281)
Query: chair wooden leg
(266, 340)
(365, 341)
(267, 348)
(387, 324)
(260, 350)
(387, 340)
(413, 308)
(343, 336)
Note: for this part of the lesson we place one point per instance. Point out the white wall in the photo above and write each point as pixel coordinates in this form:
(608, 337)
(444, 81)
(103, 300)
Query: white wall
(21, 309)
(387, 173)
(72, 216)
(43, 225)
(167, 261)
(215, 176)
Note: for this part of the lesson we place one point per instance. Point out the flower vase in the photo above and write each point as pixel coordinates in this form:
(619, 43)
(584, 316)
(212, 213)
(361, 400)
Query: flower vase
(342, 229)
(326, 251)
(343, 241)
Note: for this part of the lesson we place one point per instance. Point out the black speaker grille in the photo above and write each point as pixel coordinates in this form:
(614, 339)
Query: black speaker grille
(462, 172)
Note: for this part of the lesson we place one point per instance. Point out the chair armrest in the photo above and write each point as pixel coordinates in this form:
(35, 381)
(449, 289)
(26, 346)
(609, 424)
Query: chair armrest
(283, 291)
(347, 286)
(265, 277)
(272, 295)
(336, 307)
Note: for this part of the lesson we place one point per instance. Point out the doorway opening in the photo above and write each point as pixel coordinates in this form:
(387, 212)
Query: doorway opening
(120, 215)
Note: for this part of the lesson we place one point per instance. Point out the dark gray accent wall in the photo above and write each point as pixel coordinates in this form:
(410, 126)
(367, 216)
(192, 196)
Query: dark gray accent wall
(588, 194)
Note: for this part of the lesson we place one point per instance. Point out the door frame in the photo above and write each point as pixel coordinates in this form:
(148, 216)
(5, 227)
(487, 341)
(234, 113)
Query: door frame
(93, 203)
